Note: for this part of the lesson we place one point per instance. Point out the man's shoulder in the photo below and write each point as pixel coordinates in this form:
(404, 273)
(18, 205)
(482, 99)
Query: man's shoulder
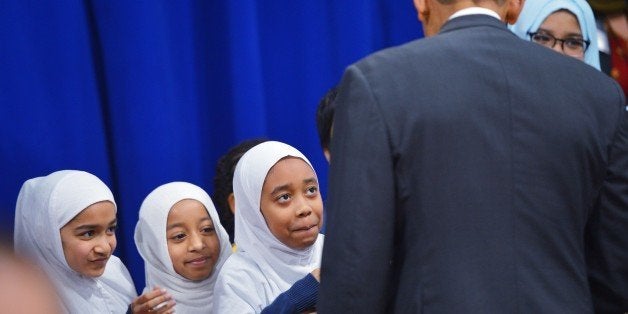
(393, 51)
(397, 56)
(424, 49)
(565, 70)
(457, 30)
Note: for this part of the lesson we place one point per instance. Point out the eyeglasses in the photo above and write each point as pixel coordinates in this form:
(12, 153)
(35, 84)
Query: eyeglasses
(573, 46)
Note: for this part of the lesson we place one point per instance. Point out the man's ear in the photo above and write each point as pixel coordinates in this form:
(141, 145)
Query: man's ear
(422, 8)
(514, 8)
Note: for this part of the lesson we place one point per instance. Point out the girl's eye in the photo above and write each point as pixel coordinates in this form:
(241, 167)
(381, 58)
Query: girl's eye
(208, 229)
(283, 198)
(311, 191)
(88, 234)
(178, 237)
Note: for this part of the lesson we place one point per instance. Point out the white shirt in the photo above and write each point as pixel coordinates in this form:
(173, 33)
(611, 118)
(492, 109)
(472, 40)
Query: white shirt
(475, 10)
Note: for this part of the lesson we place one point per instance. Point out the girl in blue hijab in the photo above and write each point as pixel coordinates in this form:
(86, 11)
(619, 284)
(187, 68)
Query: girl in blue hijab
(535, 15)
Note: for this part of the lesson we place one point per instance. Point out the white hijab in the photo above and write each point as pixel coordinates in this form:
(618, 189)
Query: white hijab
(280, 264)
(151, 242)
(44, 206)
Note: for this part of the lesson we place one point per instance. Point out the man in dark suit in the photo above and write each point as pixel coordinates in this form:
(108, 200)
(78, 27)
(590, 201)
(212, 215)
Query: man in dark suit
(474, 172)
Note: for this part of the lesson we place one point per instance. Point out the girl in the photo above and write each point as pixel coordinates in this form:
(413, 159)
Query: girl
(66, 222)
(277, 221)
(183, 246)
(567, 26)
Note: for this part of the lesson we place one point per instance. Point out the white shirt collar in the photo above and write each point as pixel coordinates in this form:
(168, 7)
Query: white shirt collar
(475, 10)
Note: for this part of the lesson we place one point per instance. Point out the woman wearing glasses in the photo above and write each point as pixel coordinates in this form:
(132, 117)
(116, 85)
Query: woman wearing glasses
(566, 26)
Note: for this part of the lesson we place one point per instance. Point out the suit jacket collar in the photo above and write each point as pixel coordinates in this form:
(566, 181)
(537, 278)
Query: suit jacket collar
(474, 20)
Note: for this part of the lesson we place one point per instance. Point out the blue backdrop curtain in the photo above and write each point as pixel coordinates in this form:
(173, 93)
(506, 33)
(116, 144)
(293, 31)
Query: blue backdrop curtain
(141, 93)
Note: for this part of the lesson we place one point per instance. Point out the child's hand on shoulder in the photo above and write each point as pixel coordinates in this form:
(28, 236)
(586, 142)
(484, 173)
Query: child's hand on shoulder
(317, 274)
(157, 301)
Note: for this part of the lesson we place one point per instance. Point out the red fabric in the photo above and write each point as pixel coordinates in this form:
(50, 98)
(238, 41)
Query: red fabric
(619, 54)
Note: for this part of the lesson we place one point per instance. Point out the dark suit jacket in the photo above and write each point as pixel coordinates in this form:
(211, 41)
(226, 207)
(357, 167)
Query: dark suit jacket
(465, 170)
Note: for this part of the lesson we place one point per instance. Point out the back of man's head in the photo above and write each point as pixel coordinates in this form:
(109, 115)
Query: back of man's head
(476, 2)
(433, 14)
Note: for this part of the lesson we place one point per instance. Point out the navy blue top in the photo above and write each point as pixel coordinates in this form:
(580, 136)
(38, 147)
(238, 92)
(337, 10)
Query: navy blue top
(300, 297)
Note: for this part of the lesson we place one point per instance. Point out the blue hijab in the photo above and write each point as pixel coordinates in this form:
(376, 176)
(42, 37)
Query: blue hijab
(535, 12)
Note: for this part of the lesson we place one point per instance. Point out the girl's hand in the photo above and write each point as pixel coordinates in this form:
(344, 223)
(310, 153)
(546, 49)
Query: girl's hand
(317, 274)
(157, 301)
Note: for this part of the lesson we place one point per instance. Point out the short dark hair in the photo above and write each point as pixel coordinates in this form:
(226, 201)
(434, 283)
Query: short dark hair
(325, 116)
(223, 181)
(499, 2)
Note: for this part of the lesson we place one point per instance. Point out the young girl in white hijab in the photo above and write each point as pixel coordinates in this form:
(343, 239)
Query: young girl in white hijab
(65, 222)
(277, 221)
(183, 245)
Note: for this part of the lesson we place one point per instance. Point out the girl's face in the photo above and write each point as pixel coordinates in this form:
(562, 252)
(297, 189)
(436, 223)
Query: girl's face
(563, 25)
(89, 239)
(193, 244)
(291, 203)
